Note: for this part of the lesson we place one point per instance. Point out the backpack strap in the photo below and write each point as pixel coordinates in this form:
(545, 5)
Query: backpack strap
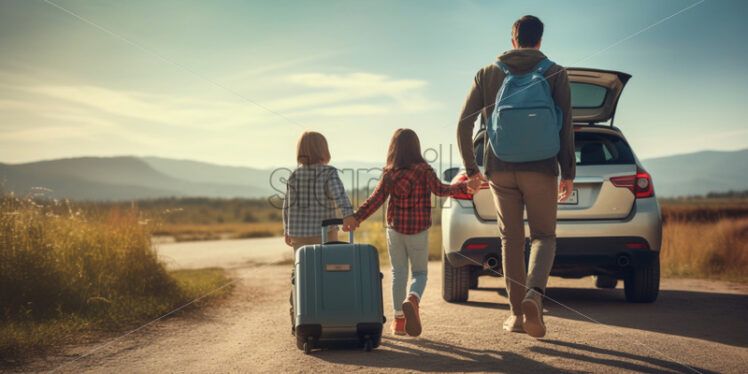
(543, 66)
(540, 68)
(503, 67)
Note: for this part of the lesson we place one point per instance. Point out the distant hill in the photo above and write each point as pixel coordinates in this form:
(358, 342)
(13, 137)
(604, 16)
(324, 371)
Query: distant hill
(116, 178)
(699, 173)
(128, 178)
(203, 172)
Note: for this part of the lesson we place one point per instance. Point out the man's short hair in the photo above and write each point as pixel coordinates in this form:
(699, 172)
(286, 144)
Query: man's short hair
(527, 31)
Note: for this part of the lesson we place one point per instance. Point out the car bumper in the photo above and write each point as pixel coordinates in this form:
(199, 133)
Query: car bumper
(579, 242)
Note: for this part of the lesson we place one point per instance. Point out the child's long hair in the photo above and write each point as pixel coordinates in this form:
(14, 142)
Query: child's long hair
(404, 151)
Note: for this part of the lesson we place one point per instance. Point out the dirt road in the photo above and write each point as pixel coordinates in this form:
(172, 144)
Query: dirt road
(222, 253)
(699, 324)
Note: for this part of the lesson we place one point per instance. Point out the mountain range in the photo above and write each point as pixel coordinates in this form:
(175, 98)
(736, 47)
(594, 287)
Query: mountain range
(129, 177)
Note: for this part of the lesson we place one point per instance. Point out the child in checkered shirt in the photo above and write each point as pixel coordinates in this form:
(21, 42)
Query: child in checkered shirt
(314, 193)
(408, 181)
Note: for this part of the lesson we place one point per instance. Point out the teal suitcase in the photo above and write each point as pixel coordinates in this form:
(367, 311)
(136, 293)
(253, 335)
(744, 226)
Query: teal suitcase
(337, 294)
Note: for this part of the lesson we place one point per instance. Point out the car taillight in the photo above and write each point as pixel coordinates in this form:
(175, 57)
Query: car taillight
(639, 184)
(461, 196)
(465, 196)
(476, 246)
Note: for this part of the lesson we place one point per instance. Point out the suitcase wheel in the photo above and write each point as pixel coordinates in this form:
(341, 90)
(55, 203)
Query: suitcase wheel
(368, 344)
(308, 345)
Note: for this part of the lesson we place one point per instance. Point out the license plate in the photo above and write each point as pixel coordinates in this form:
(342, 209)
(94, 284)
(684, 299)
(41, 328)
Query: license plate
(573, 199)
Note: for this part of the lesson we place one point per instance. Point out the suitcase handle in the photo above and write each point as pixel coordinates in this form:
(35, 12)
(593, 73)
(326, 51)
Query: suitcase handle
(330, 222)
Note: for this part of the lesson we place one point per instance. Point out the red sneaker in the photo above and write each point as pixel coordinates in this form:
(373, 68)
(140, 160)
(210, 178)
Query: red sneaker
(398, 325)
(412, 319)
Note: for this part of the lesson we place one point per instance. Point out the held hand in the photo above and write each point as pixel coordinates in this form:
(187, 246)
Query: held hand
(474, 182)
(288, 241)
(350, 223)
(564, 189)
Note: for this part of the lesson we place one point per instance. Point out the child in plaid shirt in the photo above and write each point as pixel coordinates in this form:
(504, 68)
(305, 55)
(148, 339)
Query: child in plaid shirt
(409, 182)
(314, 193)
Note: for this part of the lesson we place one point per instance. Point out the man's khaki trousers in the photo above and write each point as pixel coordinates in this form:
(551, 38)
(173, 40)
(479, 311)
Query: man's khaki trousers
(515, 191)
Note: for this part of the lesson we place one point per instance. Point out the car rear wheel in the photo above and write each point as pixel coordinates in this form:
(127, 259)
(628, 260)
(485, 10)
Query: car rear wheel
(642, 283)
(605, 281)
(455, 281)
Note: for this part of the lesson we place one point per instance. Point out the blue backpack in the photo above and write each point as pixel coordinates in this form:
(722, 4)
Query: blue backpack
(525, 122)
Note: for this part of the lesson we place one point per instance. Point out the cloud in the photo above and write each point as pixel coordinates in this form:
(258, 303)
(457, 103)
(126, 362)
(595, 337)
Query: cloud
(254, 72)
(371, 93)
(364, 82)
(164, 109)
(54, 116)
(347, 110)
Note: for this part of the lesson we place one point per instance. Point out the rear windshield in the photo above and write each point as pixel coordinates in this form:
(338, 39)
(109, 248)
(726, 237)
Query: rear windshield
(590, 149)
(601, 149)
(585, 95)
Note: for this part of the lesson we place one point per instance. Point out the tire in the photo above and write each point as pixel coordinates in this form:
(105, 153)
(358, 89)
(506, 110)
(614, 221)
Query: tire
(473, 280)
(455, 281)
(605, 281)
(642, 283)
(368, 345)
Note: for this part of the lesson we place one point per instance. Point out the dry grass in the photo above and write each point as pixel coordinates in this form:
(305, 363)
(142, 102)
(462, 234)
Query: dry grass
(700, 241)
(64, 272)
(196, 231)
(373, 232)
(702, 213)
(714, 250)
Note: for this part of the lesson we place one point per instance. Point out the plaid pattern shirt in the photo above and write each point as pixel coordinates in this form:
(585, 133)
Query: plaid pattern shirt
(313, 194)
(409, 190)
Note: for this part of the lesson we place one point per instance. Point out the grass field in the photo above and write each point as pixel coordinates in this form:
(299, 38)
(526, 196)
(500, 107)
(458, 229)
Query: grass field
(714, 250)
(196, 231)
(702, 236)
(705, 237)
(65, 272)
(68, 270)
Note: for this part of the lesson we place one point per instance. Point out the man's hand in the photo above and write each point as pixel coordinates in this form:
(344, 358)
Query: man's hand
(350, 223)
(564, 189)
(474, 182)
(288, 241)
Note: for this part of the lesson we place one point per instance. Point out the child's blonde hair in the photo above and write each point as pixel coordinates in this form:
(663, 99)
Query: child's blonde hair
(312, 149)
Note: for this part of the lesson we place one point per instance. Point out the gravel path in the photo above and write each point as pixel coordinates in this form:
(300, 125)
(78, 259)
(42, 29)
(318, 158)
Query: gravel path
(701, 324)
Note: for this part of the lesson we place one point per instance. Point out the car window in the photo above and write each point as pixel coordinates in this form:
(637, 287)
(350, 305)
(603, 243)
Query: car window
(601, 149)
(585, 95)
(590, 149)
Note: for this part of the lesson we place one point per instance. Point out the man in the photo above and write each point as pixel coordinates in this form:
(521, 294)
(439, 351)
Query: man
(517, 186)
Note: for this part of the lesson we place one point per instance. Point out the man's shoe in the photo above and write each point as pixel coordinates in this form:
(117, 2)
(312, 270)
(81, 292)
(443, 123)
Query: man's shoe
(412, 319)
(513, 324)
(532, 308)
(398, 325)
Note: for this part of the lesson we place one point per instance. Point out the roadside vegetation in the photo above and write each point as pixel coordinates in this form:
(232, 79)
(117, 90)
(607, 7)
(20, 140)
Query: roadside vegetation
(66, 272)
(190, 219)
(703, 236)
(706, 237)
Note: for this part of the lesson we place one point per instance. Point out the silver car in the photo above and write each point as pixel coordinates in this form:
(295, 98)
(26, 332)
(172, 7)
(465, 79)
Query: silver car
(610, 227)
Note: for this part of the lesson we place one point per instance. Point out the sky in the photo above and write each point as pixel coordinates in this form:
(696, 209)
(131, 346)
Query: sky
(236, 82)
